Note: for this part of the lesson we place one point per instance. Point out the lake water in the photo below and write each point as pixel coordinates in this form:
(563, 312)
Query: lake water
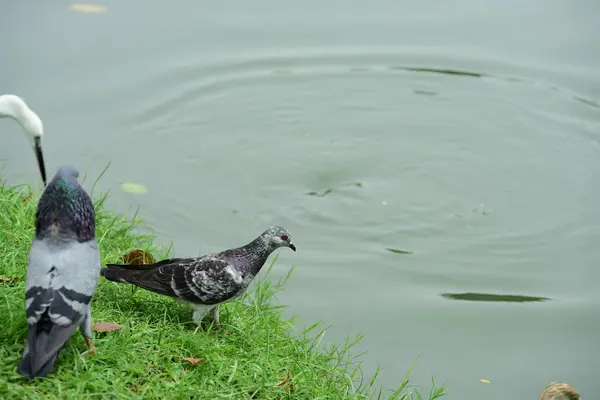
(231, 113)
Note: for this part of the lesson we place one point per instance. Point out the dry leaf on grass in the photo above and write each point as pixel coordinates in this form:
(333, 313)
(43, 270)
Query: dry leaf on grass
(106, 326)
(9, 279)
(286, 383)
(137, 257)
(27, 198)
(193, 361)
(133, 388)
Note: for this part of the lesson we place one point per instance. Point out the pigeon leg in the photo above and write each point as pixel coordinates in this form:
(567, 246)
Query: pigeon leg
(215, 312)
(91, 347)
(199, 312)
(216, 319)
(86, 331)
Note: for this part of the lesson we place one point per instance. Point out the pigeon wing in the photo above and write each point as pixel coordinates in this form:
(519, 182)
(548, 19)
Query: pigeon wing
(205, 280)
(60, 285)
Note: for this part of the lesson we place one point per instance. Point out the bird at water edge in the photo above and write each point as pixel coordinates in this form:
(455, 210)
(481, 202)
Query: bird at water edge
(62, 273)
(14, 107)
(204, 283)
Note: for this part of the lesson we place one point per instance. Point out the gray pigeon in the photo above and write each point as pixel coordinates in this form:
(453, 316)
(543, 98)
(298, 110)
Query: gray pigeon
(204, 283)
(62, 274)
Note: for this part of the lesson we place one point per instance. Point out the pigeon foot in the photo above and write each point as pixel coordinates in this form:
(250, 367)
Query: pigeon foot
(91, 348)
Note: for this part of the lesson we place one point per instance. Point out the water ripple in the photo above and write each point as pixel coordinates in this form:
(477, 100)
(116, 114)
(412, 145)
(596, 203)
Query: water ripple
(197, 80)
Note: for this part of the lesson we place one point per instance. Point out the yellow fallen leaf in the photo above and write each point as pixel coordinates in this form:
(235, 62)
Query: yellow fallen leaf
(484, 381)
(134, 188)
(87, 8)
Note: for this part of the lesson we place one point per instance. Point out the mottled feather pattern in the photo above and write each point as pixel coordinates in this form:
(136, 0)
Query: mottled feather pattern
(207, 281)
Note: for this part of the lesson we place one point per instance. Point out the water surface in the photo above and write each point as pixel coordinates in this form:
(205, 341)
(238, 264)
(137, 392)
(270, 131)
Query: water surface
(463, 136)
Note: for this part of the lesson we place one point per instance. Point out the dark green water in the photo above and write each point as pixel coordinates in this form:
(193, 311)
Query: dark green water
(466, 135)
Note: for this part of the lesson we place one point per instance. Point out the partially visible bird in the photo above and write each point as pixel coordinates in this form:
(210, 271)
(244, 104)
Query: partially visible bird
(62, 273)
(206, 282)
(14, 107)
(559, 391)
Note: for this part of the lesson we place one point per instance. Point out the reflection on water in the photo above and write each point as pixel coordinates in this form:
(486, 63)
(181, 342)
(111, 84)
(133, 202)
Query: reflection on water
(439, 71)
(588, 102)
(398, 251)
(425, 92)
(329, 190)
(508, 298)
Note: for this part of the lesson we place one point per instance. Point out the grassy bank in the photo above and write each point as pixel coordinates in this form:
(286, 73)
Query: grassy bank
(261, 355)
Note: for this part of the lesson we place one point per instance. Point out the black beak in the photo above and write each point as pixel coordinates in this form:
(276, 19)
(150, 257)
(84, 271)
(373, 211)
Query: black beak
(291, 246)
(40, 157)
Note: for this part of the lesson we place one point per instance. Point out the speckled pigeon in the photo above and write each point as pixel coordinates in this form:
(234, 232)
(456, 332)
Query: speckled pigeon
(208, 281)
(62, 274)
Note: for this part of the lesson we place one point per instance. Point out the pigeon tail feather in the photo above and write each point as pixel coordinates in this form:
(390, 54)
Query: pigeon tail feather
(27, 366)
(117, 273)
(45, 340)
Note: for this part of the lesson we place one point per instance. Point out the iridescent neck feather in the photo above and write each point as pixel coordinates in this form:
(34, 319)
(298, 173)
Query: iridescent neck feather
(65, 212)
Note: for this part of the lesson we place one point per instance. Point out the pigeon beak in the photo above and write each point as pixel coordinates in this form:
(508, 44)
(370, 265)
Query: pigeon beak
(40, 157)
(291, 246)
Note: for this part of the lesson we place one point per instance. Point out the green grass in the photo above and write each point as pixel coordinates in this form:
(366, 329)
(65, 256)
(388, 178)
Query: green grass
(145, 359)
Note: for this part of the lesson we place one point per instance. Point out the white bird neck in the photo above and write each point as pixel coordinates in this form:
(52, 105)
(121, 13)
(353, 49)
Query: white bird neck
(14, 107)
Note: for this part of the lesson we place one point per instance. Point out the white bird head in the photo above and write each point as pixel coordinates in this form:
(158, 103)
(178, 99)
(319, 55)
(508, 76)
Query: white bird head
(15, 107)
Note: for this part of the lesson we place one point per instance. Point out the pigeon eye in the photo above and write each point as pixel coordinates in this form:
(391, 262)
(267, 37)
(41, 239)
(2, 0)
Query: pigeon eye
(284, 237)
